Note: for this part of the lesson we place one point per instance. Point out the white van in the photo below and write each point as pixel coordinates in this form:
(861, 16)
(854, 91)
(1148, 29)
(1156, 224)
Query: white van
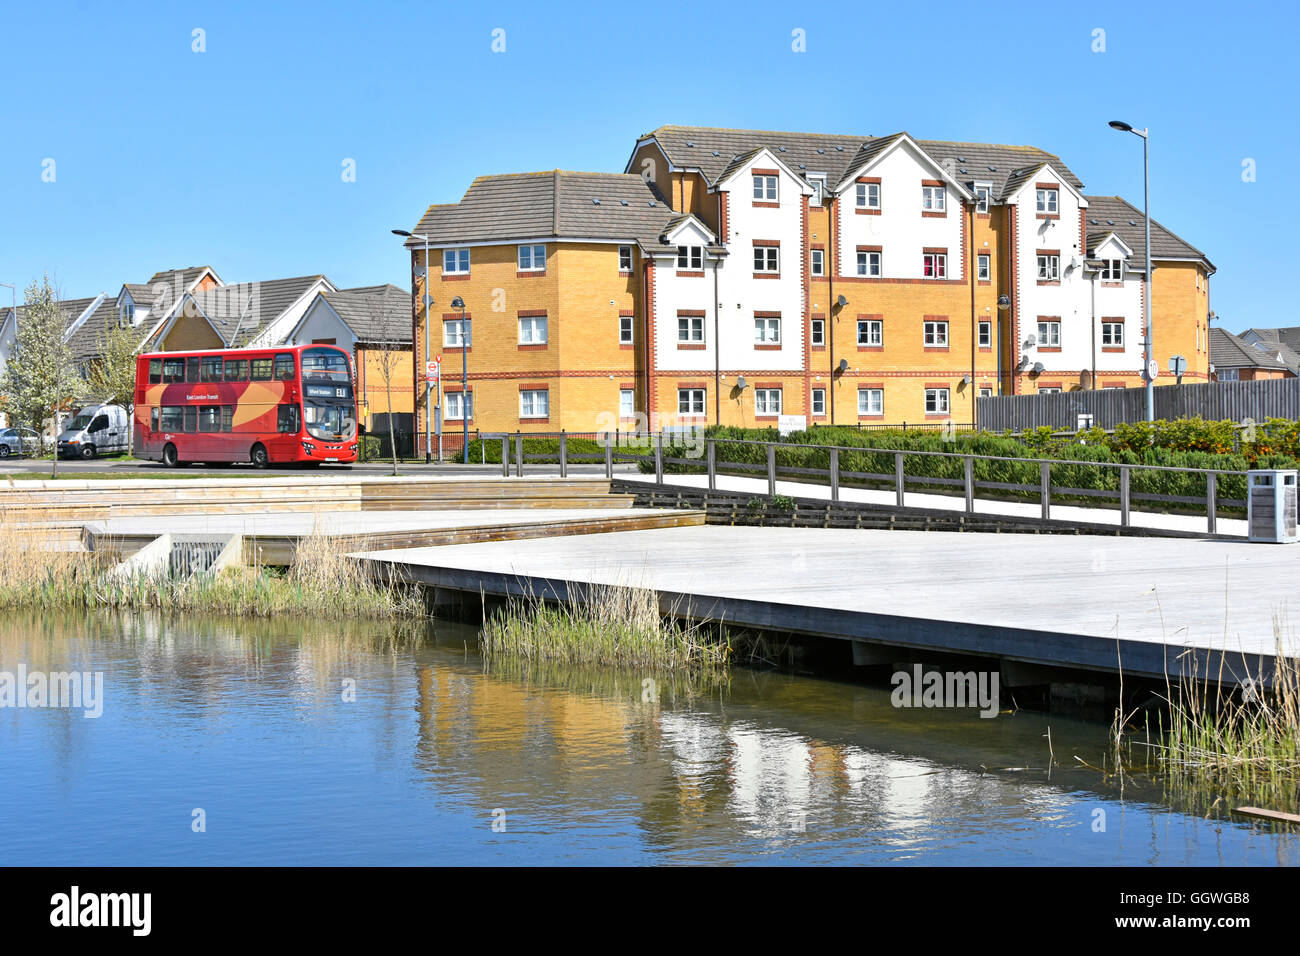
(96, 430)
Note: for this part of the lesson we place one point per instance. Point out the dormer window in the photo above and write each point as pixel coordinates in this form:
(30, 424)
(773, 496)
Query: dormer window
(1047, 203)
(764, 188)
(982, 193)
(818, 183)
(127, 316)
(690, 257)
(1112, 270)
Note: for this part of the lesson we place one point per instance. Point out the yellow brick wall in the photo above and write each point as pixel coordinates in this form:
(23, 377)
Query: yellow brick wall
(376, 391)
(1178, 308)
(191, 332)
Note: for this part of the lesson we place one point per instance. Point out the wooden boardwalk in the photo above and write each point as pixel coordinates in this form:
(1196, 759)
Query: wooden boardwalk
(1151, 605)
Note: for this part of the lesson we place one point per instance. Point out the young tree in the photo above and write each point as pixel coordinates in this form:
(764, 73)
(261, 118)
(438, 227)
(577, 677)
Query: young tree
(387, 350)
(111, 376)
(40, 374)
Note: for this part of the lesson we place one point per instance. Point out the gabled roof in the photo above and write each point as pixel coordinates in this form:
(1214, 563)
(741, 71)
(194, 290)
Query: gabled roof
(241, 312)
(379, 314)
(1117, 215)
(1098, 239)
(1290, 337)
(1229, 351)
(712, 149)
(876, 149)
(84, 342)
(555, 204)
(187, 276)
(70, 309)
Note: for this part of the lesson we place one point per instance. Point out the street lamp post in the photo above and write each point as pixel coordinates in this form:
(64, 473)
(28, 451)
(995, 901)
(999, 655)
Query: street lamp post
(459, 303)
(428, 392)
(1146, 298)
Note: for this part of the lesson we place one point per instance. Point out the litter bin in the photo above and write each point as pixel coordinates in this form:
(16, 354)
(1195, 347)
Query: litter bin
(1271, 506)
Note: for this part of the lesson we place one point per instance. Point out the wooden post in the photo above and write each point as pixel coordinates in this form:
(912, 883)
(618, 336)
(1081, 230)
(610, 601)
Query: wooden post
(835, 474)
(659, 458)
(519, 454)
(1211, 502)
(505, 456)
(711, 457)
(1124, 495)
(564, 454)
(898, 478)
(609, 459)
(771, 470)
(1045, 487)
(969, 462)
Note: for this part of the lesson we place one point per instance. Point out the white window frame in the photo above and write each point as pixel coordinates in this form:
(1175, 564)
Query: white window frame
(690, 258)
(692, 406)
(530, 397)
(983, 195)
(626, 332)
(939, 265)
(1117, 340)
(459, 259)
(691, 338)
(767, 330)
(1050, 390)
(454, 342)
(867, 196)
(866, 262)
(1049, 335)
(1048, 200)
(985, 333)
(1227, 374)
(1112, 270)
(818, 401)
(985, 391)
(454, 403)
(818, 183)
(766, 188)
(767, 259)
(984, 267)
(937, 401)
(764, 401)
(1049, 268)
(624, 255)
(871, 401)
(934, 334)
(627, 403)
(934, 198)
(874, 330)
(532, 323)
(817, 262)
(817, 333)
(527, 252)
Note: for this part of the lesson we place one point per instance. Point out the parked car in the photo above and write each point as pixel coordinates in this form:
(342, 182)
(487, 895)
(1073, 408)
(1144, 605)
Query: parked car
(96, 430)
(19, 440)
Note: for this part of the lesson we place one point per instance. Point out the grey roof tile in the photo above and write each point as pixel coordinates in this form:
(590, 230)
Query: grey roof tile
(1115, 214)
(379, 315)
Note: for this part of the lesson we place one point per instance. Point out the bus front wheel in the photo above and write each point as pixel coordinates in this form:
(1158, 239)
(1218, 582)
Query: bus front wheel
(169, 456)
(258, 456)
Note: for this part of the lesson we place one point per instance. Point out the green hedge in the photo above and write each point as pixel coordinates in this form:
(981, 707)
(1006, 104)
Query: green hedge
(489, 450)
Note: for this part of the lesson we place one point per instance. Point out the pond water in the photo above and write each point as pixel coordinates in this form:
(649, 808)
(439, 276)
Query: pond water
(293, 742)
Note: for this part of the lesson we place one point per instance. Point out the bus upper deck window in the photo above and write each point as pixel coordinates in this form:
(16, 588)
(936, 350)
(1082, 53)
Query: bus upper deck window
(173, 370)
(261, 370)
(155, 372)
(236, 370)
(211, 370)
(284, 367)
(192, 369)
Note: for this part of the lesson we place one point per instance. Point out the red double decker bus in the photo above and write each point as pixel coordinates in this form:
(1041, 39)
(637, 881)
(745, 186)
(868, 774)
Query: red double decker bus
(264, 406)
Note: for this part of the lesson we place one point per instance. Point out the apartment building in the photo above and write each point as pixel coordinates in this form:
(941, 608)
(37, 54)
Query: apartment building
(738, 276)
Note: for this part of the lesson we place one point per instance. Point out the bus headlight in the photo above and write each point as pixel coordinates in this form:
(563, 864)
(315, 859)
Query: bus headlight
(308, 447)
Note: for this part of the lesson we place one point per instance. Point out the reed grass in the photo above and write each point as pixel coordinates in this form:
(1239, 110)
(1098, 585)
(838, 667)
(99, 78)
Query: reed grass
(1242, 743)
(608, 626)
(38, 572)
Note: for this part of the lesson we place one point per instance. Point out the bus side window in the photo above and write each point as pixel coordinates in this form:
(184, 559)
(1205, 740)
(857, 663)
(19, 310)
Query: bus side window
(192, 369)
(153, 419)
(287, 419)
(210, 418)
(211, 371)
(191, 418)
(227, 418)
(171, 418)
(173, 370)
(236, 370)
(284, 367)
(261, 370)
(155, 371)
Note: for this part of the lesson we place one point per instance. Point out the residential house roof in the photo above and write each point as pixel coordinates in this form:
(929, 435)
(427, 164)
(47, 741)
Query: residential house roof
(554, 204)
(242, 311)
(1230, 351)
(377, 314)
(1290, 337)
(1115, 214)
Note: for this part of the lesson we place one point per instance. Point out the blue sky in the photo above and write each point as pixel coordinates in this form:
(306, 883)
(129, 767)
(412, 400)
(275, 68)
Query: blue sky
(233, 157)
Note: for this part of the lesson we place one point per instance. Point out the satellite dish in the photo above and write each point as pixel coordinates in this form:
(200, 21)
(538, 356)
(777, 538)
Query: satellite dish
(844, 365)
(1030, 341)
(841, 301)
(1024, 360)
(1038, 367)
(966, 379)
(740, 382)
